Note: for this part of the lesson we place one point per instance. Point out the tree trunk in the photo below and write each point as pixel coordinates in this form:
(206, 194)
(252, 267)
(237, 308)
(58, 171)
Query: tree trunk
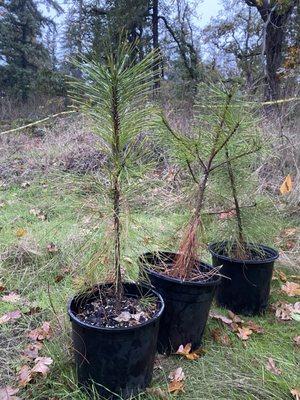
(155, 41)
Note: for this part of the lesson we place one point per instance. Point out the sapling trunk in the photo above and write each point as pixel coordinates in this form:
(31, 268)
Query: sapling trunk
(240, 244)
(116, 189)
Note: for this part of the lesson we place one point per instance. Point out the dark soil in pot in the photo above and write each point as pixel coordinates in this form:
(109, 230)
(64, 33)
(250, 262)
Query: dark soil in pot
(115, 348)
(245, 286)
(187, 303)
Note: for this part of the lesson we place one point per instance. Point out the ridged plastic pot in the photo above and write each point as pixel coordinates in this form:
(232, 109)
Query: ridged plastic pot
(118, 361)
(245, 285)
(187, 304)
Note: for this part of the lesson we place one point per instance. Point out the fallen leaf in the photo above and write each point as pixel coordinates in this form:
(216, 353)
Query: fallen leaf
(21, 232)
(12, 315)
(297, 340)
(291, 289)
(177, 375)
(282, 276)
(296, 311)
(24, 375)
(11, 298)
(32, 351)
(42, 333)
(2, 287)
(220, 317)
(235, 318)
(42, 365)
(8, 393)
(272, 367)
(283, 311)
(287, 185)
(244, 333)
(220, 337)
(254, 327)
(175, 387)
(289, 232)
(187, 353)
(52, 248)
(296, 394)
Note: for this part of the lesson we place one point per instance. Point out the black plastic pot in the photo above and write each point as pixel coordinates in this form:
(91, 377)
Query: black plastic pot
(118, 361)
(245, 286)
(187, 303)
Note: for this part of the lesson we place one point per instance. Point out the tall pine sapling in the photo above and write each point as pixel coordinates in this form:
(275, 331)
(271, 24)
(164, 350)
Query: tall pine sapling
(204, 151)
(115, 95)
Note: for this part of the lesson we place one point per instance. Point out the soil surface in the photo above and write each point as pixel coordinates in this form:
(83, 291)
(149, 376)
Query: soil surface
(105, 311)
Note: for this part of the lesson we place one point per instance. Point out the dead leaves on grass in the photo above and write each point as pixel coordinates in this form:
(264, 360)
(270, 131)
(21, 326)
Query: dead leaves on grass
(12, 315)
(8, 393)
(220, 336)
(28, 373)
(176, 378)
(287, 311)
(186, 351)
(242, 329)
(291, 289)
(41, 333)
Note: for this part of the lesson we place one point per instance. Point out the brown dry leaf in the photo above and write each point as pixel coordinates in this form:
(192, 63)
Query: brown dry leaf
(186, 352)
(157, 392)
(175, 387)
(176, 377)
(24, 375)
(8, 393)
(283, 311)
(2, 286)
(52, 248)
(282, 276)
(287, 185)
(296, 394)
(21, 232)
(42, 365)
(272, 367)
(12, 297)
(291, 289)
(220, 337)
(235, 318)
(12, 315)
(289, 232)
(297, 340)
(42, 333)
(254, 327)
(31, 352)
(221, 317)
(244, 333)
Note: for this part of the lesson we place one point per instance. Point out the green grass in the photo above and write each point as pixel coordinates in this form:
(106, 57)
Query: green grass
(235, 372)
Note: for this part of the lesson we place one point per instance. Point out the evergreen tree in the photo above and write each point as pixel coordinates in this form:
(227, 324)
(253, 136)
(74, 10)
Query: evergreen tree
(22, 51)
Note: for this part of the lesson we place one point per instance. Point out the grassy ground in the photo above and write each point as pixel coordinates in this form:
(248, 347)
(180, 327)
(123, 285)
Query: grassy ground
(59, 211)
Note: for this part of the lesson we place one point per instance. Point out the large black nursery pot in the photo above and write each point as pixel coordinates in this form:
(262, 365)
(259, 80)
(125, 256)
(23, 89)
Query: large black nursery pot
(245, 285)
(118, 361)
(187, 303)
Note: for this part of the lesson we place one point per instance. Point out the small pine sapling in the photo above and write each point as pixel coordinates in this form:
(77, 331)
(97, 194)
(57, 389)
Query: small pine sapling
(203, 152)
(115, 94)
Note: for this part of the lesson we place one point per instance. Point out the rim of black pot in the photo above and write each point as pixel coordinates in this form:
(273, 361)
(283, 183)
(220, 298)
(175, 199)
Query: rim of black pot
(268, 250)
(73, 316)
(214, 280)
